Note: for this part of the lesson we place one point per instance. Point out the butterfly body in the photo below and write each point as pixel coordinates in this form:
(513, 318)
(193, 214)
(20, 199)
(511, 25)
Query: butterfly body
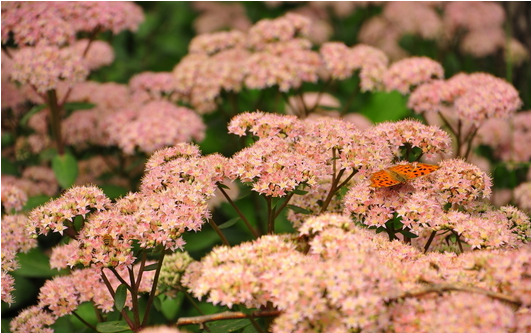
(401, 173)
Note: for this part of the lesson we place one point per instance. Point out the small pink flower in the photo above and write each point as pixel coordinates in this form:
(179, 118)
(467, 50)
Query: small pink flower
(13, 197)
(99, 53)
(33, 319)
(157, 85)
(215, 42)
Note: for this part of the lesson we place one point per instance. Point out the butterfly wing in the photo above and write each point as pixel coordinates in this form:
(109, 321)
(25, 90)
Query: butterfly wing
(413, 170)
(383, 179)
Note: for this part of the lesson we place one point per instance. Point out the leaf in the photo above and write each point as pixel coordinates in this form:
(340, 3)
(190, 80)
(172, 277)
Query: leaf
(385, 106)
(151, 267)
(65, 169)
(226, 326)
(113, 191)
(120, 296)
(35, 202)
(298, 209)
(8, 167)
(112, 327)
(229, 223)
(170, 306)
(408, 234)
(30, 113)
(300, 192)
(35, 264)
(157, 302)
(223, 186)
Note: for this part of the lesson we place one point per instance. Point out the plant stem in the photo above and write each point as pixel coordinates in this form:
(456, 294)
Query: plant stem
(428, 243)
(55, 119)
(89, 325)
(123, 312)
(240, 214)
(153, 288)
(284, 204)
(270, 216)
(218, 231)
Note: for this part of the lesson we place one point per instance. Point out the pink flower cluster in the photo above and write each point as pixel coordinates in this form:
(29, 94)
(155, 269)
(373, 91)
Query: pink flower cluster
(522, 195)
(406, 74)
(153, 126)
(95, 53)
(508, 137)
(364, 282)
(13, 197)
(77, 201)
(341, 61)
(155, 85)
(472, 97)
(35, 180)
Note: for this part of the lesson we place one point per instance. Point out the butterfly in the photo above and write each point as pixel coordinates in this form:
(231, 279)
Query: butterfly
(400, 174)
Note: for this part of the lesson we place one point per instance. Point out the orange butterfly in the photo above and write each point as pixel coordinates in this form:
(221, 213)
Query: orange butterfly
(400, 174)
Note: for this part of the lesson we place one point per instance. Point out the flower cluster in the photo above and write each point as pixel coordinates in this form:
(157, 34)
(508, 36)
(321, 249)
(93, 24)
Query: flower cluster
(13, 197)
(522, 195)
(35, 180)
(473, 97)
(172, 271)
(95, 53)
(77, 201)
(508, 137)
(341, 61)
(406, 74)
(34, 23)
(44, 67)
(216, 16)
(156, 85)
(153, 126)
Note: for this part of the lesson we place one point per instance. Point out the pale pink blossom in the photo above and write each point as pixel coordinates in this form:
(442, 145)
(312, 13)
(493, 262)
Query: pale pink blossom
(8, 285)
(13, 197)
(34, 23)
(156, 85)
(414, 18)
(215, 42)
(522, 195)
(98, 54)
(216, 16)
(44, 67)
(481, 43)
(82, 128)
(281, 29)
(33, 319)
(153, 126)
(515, 52)
(14, 235)
(406, 74)
(380, 33)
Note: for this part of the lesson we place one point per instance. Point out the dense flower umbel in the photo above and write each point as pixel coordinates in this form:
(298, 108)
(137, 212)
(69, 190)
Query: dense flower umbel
(153, 126)
(13, 197)
(473, 97)
(409, 73)
(33, 319)
(44, 67)
(99, 53)
(76, 201)
(341, 62)
(173, 268)
(157, 85)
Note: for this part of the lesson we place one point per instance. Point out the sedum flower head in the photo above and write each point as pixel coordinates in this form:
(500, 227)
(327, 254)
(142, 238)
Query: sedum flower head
(13, 197)
(173, 268)
(408, 73)
(153, 126)
(214, 42)
(282, 29)
(75, 201)
(44, 67)
(99, 53)
(157, 85)
(33, 319)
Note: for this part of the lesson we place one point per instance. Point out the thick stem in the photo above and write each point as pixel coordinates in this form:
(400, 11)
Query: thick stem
(227, 315)
(55, 119)
(284, 204)
(134, 296)
(428, 243)
(123, 312)
(153, 288)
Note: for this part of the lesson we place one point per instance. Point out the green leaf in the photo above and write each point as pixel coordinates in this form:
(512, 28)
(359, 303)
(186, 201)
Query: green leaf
(223, 186)
(30, 113)
(298, 209)
(72, 106)
(113, 191)
(112, 327)
(408, 234)
(151, 267)
(7, 139)
(48, 154)
(300, 192)
(8, 167)
(229, 223)
(35, 201)
(227, 326)
(170, 306)
(35, 264)
(157, 301)
(384, 106)
(120, 296)
(65, 169)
